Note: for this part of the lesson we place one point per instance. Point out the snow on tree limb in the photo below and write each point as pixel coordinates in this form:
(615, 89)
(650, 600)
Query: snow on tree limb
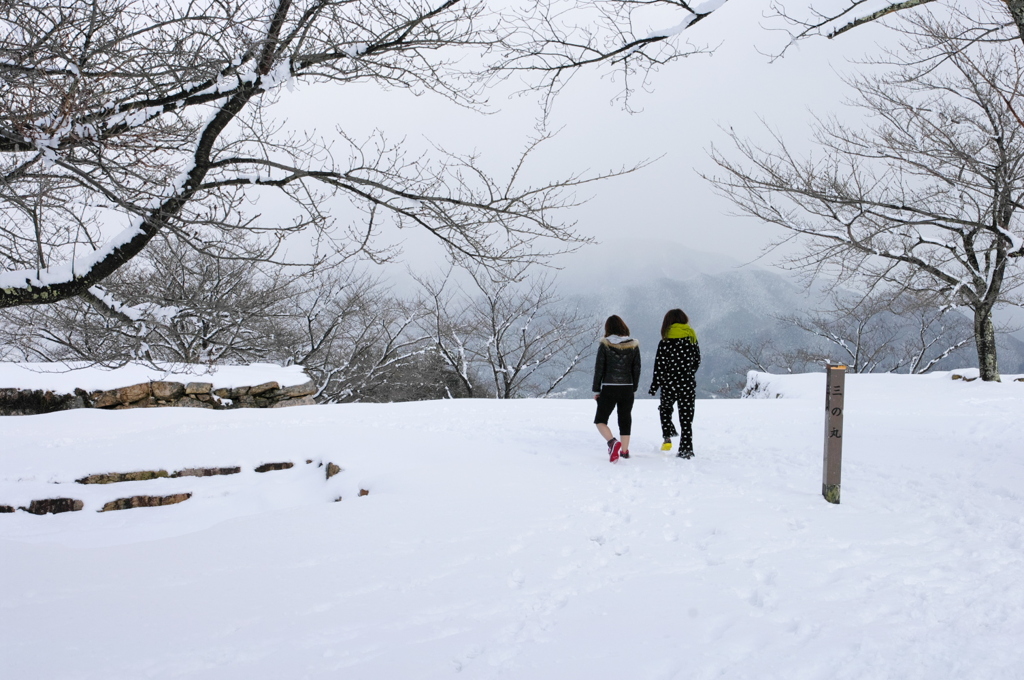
(93, 132)
(987, 23)
(872, 16)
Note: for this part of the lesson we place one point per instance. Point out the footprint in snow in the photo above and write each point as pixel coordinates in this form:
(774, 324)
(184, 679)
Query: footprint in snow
(467, 656)
(567, 570)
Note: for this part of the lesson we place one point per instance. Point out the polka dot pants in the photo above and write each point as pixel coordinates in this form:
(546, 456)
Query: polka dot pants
(685, 403)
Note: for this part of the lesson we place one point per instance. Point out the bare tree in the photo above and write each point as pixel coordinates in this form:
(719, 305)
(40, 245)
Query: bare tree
(986, 20)
(926, 199)
(878, 333)
(507, 326)
(874, 333)
(353, 337)
(155, 117)
(530, 341)
(763, 353)
(72, 331)
(422, 376)
(170, 305)
(356, 340)
(446, 320)
(206, 310)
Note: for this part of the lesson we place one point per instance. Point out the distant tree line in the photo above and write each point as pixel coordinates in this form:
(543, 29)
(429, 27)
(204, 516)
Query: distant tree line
(876, 333)
(470, 332)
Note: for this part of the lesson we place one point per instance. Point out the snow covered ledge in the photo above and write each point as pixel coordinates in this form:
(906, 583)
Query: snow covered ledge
(762, 385)
(34, 388)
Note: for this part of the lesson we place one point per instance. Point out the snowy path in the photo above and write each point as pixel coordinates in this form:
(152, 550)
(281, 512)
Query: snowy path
(497, 541)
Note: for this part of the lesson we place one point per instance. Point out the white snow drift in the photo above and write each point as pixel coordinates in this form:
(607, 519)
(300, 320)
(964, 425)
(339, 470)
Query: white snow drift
(497, 541)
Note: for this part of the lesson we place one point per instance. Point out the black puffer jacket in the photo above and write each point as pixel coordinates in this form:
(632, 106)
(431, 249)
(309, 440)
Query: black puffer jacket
(618, 362)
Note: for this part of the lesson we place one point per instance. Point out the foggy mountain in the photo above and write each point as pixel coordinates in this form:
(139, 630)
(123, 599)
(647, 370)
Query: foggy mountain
(726, 300)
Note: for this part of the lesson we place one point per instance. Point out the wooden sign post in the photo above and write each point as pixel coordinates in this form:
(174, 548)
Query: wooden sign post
(835, 395)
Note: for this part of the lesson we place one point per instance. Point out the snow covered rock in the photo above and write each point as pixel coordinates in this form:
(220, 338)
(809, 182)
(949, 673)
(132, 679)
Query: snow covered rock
(54, 506)
(46, 388)
(134, 393)
(114, 477)
(270, 467)
(301, 401)
(207, 472)
(166, 390)
(16, 402)
(264, 388)
(145, 502)
(760, 386)
(304, 390)
(196, 401)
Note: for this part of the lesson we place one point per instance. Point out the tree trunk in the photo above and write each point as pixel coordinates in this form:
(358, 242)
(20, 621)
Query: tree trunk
(985, 339)
(1016, 8)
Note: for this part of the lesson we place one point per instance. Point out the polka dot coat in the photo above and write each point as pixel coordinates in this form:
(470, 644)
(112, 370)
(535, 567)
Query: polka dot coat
(675, 368)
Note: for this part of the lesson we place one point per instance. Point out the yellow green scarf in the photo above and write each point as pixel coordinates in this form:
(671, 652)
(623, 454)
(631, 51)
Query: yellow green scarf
(681, 330)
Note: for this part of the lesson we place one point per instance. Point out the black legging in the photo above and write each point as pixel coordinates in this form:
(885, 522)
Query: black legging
(668, 429)
(619, 398)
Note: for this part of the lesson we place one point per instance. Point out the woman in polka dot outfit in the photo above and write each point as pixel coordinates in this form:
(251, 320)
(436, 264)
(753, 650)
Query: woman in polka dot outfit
(675, 368)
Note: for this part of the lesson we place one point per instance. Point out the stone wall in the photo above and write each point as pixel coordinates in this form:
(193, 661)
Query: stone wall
(15, 401)
(62, 504)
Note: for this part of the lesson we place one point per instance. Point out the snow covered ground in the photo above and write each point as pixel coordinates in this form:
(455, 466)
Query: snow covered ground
(497, 541)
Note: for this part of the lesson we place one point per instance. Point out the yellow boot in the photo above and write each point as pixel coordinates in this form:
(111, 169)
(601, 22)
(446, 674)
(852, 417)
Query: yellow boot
(667, 446)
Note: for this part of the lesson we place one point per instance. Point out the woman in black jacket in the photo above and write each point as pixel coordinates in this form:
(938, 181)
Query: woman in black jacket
(675, 368)
(616, 377)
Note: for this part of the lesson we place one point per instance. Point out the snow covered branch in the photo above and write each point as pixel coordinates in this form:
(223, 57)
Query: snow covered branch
(982, 22)
(124, 119)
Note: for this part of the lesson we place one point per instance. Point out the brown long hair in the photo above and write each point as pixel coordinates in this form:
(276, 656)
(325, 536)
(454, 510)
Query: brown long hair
(615, 326)
(671, 317)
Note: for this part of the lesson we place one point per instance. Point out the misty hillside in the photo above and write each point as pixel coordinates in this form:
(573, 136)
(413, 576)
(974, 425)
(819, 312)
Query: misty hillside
(726, 300)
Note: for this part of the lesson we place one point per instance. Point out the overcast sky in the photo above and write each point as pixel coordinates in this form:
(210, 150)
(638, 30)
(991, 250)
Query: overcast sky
(692, 99)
